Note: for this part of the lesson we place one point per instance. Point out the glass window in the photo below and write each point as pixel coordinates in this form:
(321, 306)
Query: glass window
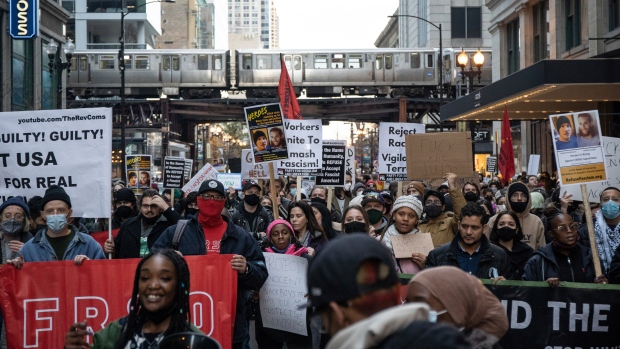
(22, 75)
(415, 60)
(263, 61)
(320, 61)
(512, 46)
(466, 22)
(573, 25)
(106, 61)
(388, 61)
(379, 62)
(355, 61)
(430, 60)
(128, 62)
(142, 62)
(166, 63)
(203, 62)
(297, 63)
(614, 14)
(540, 31)
(83, 63)
(337, 61)
(247, 61)
(217, 62)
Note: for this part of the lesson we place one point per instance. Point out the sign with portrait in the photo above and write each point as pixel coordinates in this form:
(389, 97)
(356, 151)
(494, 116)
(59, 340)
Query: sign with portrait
(267, 134)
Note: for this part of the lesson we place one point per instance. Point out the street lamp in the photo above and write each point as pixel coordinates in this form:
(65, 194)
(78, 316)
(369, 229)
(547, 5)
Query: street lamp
(462, 60)
(51, 50)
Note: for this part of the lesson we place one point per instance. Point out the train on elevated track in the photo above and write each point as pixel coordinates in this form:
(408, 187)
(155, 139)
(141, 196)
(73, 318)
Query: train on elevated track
(199, 74)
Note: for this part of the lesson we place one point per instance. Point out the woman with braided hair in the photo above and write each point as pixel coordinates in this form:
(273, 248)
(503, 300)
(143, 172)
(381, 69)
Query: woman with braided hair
(159, 307)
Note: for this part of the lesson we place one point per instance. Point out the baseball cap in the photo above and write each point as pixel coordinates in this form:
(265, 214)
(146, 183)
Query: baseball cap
(249, 184)
(212, 184)
(333, 272)
(373, 196)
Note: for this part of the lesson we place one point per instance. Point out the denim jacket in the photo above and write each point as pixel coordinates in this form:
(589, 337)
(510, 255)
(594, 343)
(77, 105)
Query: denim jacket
(38, 249)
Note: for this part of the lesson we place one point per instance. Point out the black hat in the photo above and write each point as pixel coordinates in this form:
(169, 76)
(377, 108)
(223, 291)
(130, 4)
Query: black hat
(560, 121)
(55, 192)
(249, 184)
(517, 186)
(373, 196)
(332, 274)
(442, 187)
(257, 135)
(125, 194)
(166, 191)
(434, 193)
(386, 194)
(16, 201)
(212, 184)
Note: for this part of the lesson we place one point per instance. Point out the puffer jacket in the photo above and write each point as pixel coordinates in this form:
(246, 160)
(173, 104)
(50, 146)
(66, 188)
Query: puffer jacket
(443, 228)
(543, 265)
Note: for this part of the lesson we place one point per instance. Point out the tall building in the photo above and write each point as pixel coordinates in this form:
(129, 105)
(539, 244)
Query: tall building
(253, 18)
(193, 24)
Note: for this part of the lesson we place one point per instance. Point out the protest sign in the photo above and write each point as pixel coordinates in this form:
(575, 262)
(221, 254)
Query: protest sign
(432, 155)
(579, 155)
(187, 174)
(249, 170)
(304, 148)
(405, 245)
(174, 169)
(458, 182)
(266, 132)
(334, 154)
(491, 164)
(392, 151)
(349, 166)
(70, 148)
(283, 292)
(138, 169)
(230, 180)
(43, 299)
(206, 172)
(533, 164)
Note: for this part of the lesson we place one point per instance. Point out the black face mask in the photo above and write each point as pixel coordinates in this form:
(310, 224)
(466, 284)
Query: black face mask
(433, 211)
(37, 228)
(123, 212)
(251, 199)
(191, 211)
(149, 221)
(506, 233)
(489, 198)
(518, 207)
(319, 201)
(471, 196)
(354, 227)
(388, 208)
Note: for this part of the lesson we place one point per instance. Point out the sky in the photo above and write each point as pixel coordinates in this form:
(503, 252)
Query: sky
(330, 24)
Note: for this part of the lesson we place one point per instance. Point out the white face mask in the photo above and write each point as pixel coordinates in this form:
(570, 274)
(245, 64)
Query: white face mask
(432, 315)
(501, 208)
(347, 186)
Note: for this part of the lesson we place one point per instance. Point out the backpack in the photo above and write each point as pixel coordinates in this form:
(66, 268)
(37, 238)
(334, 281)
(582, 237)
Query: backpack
(178, 232)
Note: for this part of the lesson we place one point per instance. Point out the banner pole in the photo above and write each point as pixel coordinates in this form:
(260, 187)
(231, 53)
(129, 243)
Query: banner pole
(110, 233)
(172, 198)
(272, 192)
(399, 191)
(298, 189)
(593, 245)
(330, 197)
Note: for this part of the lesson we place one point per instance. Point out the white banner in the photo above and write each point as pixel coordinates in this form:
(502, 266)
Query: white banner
(206, 172)
(251, 171)
(230, 180)
(305, 153)
(71, 148)
(392, 154)
(283, 292)
(533, 164)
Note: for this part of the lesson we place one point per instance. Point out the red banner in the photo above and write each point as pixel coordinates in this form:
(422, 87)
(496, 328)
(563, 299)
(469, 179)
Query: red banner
(40, 301)
(286, 93)
(506, 162)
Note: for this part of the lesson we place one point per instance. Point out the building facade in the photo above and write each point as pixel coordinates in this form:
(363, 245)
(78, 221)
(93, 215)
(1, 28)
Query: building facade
(254, 18)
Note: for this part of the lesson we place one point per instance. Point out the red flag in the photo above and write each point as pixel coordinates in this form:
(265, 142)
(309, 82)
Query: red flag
(286, 93)
(506, 162)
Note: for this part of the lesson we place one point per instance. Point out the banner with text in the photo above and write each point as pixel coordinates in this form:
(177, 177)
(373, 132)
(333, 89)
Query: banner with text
(230, 180)
(304, 148)
(250, 170)
(187, 174)
(283, 292)
(392, 151)
(491, 164)
(266, 132)
(71, 148)
(174, 171)
(206, 172)
(334, 158)
(349, 165)
(43, 299)
(578, 147)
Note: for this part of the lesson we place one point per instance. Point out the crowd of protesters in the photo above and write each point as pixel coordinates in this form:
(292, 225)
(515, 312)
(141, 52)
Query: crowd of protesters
(530, 230)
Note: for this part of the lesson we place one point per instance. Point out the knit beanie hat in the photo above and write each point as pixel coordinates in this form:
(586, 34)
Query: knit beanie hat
(419, 186)
(125, 194)
(279, 221)
(515, 187)
(16, 201)
(357, 186)
(257, 135)
(357, 200)
(408, 201)
(560, 121)
(55, 192)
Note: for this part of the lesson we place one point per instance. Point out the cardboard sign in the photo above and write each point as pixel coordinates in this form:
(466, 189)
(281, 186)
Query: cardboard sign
(334, 157)
(432, 155)
(304, 139)
(578, 147)
(230, 180)
(283, 292)
(533, 164)
(206, 172)
(392, 153)
(349, 165)
(491, 164)
(249, 170)
(405, 245)
(267, 134)
(174, 170)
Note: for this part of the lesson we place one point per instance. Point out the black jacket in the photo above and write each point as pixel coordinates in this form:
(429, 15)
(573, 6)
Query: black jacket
(520, 254)
(491, 257)
(127, 242)
(543, 265)
(234, 241)
(258, 225)
(614, 268)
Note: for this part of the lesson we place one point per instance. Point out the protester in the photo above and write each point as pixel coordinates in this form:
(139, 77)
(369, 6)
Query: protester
(15, 228)
(250, 214)
(232, 199)
(614, 269)
(210, 232)
(137, 235)
(323, 217)
(507, 234)
(355, 220)
(282, 201)
(319, 194)
(404, 221)
(281, 239)
(415, 188)
(358, 188)
(266, 202)
(388, 199)
(442, 227)
(37, 221)
(518, 201)
(60, 241)
(341, 199)
(159, 307)
(470, 249)
(191, 207)
(564, 259)
(307, 230)
(374, 206)
(124, 207)
(118, 186)
(471, 192)
(461, 300)
(371, 184)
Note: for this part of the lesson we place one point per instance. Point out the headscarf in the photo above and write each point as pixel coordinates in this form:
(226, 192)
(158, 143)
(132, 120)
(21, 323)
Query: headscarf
(469, 303)
(291, 249)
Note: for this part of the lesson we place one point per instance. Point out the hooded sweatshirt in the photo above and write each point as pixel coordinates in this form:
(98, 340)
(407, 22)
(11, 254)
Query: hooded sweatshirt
(532, 227)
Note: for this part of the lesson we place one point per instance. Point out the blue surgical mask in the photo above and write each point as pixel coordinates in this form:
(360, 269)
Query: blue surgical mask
(56, 222)
(293, 191)
(610, 209)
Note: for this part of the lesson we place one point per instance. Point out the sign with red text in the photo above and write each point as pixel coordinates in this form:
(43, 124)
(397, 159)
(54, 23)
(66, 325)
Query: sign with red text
(44, 298)
(206, 172)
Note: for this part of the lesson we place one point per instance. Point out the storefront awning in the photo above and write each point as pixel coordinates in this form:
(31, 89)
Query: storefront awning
(547, 87)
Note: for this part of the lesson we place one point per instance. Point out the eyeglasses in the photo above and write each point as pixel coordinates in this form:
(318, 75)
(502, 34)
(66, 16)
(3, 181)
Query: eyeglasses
(432, 202)
(612, 198)
(563, 229)
(212, 197)
(17, 216)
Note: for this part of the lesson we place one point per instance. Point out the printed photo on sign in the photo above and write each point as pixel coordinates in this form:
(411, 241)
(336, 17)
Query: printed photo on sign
(276, 138)
(578, 149)
(138, 171)
(266, 132)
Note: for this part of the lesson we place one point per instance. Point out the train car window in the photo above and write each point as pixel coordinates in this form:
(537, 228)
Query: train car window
(337, 61)
(166, 63)
(263, 61)
(106, 61)
(83, 62)
(141, 62)
(203, 62)
(320, 61)
(287, 62)
(128, 62)
(415, 60)
(355, 61)
(379, 62)
(297, 63)
(176, 63)
(388, 61)
(73, 66)
(217, 62)
(447, 62)
(247, 61)
(430, 61)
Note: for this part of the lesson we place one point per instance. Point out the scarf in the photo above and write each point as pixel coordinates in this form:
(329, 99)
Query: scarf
(289, 250)
(607, 240)
(210, 213)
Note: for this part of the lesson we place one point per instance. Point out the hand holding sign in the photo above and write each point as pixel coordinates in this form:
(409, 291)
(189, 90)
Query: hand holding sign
(406, 246)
